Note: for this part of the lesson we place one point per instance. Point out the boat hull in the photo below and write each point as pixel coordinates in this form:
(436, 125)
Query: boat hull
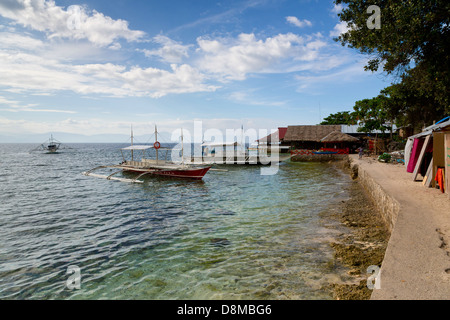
(325, 152)
(248, 160)
(191, 173)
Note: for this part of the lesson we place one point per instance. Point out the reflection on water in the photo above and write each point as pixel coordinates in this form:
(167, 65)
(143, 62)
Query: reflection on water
(234, 235)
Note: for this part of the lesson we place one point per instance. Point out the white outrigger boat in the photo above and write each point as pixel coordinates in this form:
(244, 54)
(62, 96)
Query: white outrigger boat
(234, 153)
(155, 167)
(51, 146)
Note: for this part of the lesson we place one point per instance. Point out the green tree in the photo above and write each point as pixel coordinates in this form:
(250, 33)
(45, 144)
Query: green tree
(371, 114)
(409, 105)
(343, 117)
(413, 43)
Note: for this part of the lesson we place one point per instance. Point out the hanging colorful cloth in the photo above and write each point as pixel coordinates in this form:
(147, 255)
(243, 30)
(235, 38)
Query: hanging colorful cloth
(440, 179)
(417, 147)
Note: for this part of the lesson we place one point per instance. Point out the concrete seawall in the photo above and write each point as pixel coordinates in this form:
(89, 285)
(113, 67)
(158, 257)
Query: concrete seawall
(318, 157)
(386, 204)
(416, 264)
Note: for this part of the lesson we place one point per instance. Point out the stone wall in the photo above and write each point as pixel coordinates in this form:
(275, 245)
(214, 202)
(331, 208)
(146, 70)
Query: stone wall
(318, 157)
(387, 206)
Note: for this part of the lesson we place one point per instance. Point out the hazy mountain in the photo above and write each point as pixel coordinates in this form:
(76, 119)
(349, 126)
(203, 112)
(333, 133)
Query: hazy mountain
(80, 138)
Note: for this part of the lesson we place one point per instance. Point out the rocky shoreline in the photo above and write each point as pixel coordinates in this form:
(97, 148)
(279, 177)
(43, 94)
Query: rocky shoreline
(365, 244)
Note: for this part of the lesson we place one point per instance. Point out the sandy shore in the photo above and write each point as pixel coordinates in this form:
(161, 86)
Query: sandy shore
(416, 263)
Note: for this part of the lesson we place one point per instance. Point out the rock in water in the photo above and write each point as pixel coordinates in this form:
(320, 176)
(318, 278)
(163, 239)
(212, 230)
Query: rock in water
(219, 241)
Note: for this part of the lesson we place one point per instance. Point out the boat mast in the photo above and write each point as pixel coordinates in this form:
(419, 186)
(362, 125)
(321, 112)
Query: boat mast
(132, 142)
(182, 147)
(156, 140)
(242, 139)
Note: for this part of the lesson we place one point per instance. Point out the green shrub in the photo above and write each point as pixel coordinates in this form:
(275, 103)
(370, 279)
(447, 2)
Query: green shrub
(385, 157)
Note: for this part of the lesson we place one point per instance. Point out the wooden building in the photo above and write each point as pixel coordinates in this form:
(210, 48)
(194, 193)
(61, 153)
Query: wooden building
(308, 139)
(338, 141)
(274, 141)
(427, 154)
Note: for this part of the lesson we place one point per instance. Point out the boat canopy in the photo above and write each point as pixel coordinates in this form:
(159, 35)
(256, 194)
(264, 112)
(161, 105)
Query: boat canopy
(143, 147)
(220, 144)
(137, 147)
(272, 147)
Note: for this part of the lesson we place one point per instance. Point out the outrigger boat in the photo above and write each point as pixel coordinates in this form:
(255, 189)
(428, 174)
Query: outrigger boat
(50, 146)
(155, 167)
(234, 153)
(325, 152)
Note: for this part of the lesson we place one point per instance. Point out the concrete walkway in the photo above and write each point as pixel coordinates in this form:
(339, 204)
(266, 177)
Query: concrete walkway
(417, 260)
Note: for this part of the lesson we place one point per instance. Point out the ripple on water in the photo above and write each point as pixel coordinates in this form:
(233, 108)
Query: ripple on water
(237, 235)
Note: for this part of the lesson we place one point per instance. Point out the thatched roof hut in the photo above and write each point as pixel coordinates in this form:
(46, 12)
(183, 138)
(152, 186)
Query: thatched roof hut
(309, 133)
(337, 136)
(277, 136)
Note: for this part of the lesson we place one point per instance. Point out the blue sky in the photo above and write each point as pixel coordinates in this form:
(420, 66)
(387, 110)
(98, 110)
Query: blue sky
(95, 67)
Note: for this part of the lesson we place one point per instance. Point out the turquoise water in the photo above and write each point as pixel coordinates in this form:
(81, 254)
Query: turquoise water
(234, 235)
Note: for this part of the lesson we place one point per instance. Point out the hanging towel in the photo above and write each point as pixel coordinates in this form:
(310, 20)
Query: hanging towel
(408, 149)
(440, 179)
(417, 147)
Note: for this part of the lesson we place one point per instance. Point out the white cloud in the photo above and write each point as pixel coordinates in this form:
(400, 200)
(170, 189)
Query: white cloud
(17, 106)
(170, 51)
(88, 127)
(9, 103)
(43, 66)
(234, 59)
(17, 41)
(350, 73)
(337, 8)
(74, 23)
(115, 46)
(28, 72)
(298, 23)
(95, 126)
(35, 66)
(339, 29)
(246, 98)
(157, 83)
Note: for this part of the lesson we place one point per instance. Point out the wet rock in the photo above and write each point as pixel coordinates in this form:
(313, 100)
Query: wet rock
(219, 242)
(362, 247)
(225, 213)
(352, 292)
(354, 172)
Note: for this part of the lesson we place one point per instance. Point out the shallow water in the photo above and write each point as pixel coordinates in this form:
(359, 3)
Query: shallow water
(234, 235)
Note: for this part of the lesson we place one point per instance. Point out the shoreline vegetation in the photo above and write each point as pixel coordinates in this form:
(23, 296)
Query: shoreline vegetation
(363, 246)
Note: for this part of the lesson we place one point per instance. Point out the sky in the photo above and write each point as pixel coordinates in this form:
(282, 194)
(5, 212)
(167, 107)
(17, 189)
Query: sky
(97, 67)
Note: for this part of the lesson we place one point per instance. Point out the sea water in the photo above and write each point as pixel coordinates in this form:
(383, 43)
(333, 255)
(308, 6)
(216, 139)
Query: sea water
(236, 234)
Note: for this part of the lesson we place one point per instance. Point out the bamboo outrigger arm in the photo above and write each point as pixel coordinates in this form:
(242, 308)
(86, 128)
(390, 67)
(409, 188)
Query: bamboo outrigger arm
(142, 174)
(96, 168)
(110, 177)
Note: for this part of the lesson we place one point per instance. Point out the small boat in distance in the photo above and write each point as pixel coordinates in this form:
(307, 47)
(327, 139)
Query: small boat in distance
(51, 146)
(325, 152)
(157, 167)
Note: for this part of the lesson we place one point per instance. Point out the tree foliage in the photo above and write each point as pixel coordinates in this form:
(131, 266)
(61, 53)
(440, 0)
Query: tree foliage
(413, 43)
(370, 114)
(343, 117)
(409, 105)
